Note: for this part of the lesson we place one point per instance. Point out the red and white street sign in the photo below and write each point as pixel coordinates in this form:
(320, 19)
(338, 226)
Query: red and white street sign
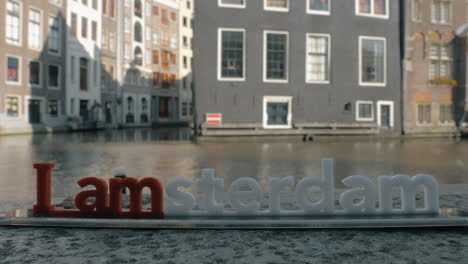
(214, 118)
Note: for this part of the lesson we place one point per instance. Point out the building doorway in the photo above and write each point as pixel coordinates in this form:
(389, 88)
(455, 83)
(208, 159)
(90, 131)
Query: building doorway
(108, 112)
(385, 114)
(84, 114)
(34, 108)
(164, 107)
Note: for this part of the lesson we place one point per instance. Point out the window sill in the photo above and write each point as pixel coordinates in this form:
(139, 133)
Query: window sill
(365, 119)
(231, 79)
(372, 84)
(17, 44)
(320, 13)
(317, 82)
(281, 10)
(231, 6)
(373, 16)
(275, 81)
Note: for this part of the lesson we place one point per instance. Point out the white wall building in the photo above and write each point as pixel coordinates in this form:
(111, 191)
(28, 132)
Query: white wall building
(185, 59)
(83, 57)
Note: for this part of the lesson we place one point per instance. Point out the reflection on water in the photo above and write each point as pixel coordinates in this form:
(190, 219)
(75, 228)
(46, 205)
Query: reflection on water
(168, 153)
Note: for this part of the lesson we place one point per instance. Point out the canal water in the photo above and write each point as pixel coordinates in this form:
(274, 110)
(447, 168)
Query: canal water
(169, 153)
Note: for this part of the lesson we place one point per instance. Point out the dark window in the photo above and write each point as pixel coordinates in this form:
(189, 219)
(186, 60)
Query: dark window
(155, 78)
(138, 56)
(138, 8)
(130, 118)
(232, 54)
(144, 110)
(34, 73)
(83, 74)
(84, 27)
(53, 76)
(163, 107)
(94, 31)
(138, 34)
(277, 113)
(84, 114)
(104, 6)
(53, 108)
(74, 24)
(34, 111)
(276, 56)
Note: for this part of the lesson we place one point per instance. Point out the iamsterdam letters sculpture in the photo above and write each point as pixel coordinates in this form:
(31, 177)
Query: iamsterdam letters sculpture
(108, 198)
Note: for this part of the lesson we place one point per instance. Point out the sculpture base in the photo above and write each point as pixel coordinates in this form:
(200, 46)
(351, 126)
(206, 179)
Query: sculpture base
(449, 217)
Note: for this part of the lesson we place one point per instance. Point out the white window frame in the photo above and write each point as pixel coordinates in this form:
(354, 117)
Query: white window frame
(40, 74)
(265, 34)
(372, 14)
(365, 119)
(219, 70)
(277, 99)
(328, 58)
(447, 122)
(41, 44)
(435, 22)
(59, 80)
(275, 9)
(424, 124)
(392, 113)
(20, 23)
(413, 13)
(361, 83)
(318, 12)
(221, 4)
(20, 107)
(20, 70)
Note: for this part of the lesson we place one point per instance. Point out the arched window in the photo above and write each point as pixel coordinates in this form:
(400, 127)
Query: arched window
(138, 10)
(138, 56)
(138, 34)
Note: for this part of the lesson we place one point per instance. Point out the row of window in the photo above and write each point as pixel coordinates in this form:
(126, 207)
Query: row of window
(13, 73)
(163, 79)
(168, 58)
(163, 38)
(13, 28)
(441, 11)
(277, 112)
(151, 10)
(232, 57)
(372, 8)
(84, 27)
(425, 113)
(13, 108)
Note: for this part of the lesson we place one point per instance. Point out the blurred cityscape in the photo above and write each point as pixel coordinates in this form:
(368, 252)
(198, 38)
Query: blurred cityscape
(264, 67)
